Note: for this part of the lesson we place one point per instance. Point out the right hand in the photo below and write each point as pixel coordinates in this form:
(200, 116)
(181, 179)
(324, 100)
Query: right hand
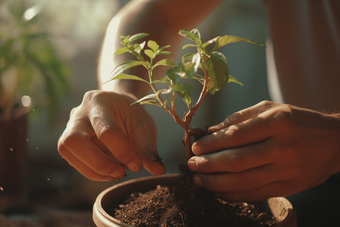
(105, 133)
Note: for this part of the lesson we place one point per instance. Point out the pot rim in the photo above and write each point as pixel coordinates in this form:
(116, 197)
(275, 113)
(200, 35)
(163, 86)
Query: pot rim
(286, 216)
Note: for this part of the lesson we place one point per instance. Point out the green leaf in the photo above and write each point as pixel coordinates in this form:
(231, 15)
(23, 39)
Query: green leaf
(188, 64)
(209, 42)
(150, 102)
(149, 53)
(166, 62)
(224, 40)
(234, 80)
(166, 101)
(182, 87)
(213, 90)
(121, 51)
(183, 90)
(153, 45)
(138, 48)
(191, 63)
(199, 79)
(124, 40)
(163, 80)
(165, 53)
(175, 73)
(124, 66)
(137, 36)
(193, 35)
(142, 45)
(186, 97)
(150, 96)
(165, 47)
(127, 77)
(197, 61)
(218, 70)
(179, 87)
(188, 45)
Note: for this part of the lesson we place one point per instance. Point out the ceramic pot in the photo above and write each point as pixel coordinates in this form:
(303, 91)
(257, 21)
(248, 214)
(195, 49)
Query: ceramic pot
(13, 160)
(280, 207)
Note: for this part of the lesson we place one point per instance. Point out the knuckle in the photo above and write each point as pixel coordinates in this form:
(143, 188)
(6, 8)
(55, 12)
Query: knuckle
(103, 130)
(232, 132)
(62, 149)
(89, 95)
(70, 139)
(95, 97)
(266, 103)
(202, 163)
(233, 117)
(284, 119)
(73, 111)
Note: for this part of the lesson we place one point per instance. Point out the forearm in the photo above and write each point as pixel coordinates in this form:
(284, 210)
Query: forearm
(162, 19)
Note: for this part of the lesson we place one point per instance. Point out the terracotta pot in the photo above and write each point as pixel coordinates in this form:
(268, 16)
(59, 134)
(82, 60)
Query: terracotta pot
(13, 171)
(280, 207)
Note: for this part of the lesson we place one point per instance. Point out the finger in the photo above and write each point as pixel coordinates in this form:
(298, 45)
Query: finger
(144, 139)
(274, 189)
(240, 181)
(111, 135)
(79, 144)
(81, 167)
(237, 159)
(243, 115)
(102, 147)
(251, 131)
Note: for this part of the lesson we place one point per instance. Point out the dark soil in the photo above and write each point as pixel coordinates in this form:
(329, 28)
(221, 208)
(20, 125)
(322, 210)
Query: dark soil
(187, 205)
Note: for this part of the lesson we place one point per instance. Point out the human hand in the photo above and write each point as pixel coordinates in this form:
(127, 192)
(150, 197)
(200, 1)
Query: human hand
(267, 150)
(105, 133)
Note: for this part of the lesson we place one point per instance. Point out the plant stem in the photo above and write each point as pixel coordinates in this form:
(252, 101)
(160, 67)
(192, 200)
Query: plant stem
(187, 144)
(187, 120)
(171, 111)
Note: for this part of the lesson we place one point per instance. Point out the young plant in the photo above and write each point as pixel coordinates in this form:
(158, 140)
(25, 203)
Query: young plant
(207, 67)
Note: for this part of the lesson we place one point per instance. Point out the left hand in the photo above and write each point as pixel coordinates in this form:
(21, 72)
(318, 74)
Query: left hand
(267, 150)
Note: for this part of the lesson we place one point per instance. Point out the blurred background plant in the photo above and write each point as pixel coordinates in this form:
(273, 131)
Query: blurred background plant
(31, 68)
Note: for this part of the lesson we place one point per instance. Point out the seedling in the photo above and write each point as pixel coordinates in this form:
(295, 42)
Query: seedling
(209, 68)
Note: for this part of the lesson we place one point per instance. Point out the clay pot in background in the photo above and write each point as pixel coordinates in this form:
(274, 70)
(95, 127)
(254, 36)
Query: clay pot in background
(13, 163)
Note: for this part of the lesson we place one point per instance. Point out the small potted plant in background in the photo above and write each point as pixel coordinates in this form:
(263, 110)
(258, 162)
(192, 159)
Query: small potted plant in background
(30, 69)
(210, 69)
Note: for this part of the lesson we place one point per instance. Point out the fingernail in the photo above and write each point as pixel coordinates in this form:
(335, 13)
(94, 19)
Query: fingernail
(133, 166)
(197, 149)
(117, 174)
(217, 127)
(197, 180)
(192, 164)
(107, 179)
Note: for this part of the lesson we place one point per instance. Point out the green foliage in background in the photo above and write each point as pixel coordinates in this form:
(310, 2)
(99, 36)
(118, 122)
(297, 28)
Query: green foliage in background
(28, 54)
